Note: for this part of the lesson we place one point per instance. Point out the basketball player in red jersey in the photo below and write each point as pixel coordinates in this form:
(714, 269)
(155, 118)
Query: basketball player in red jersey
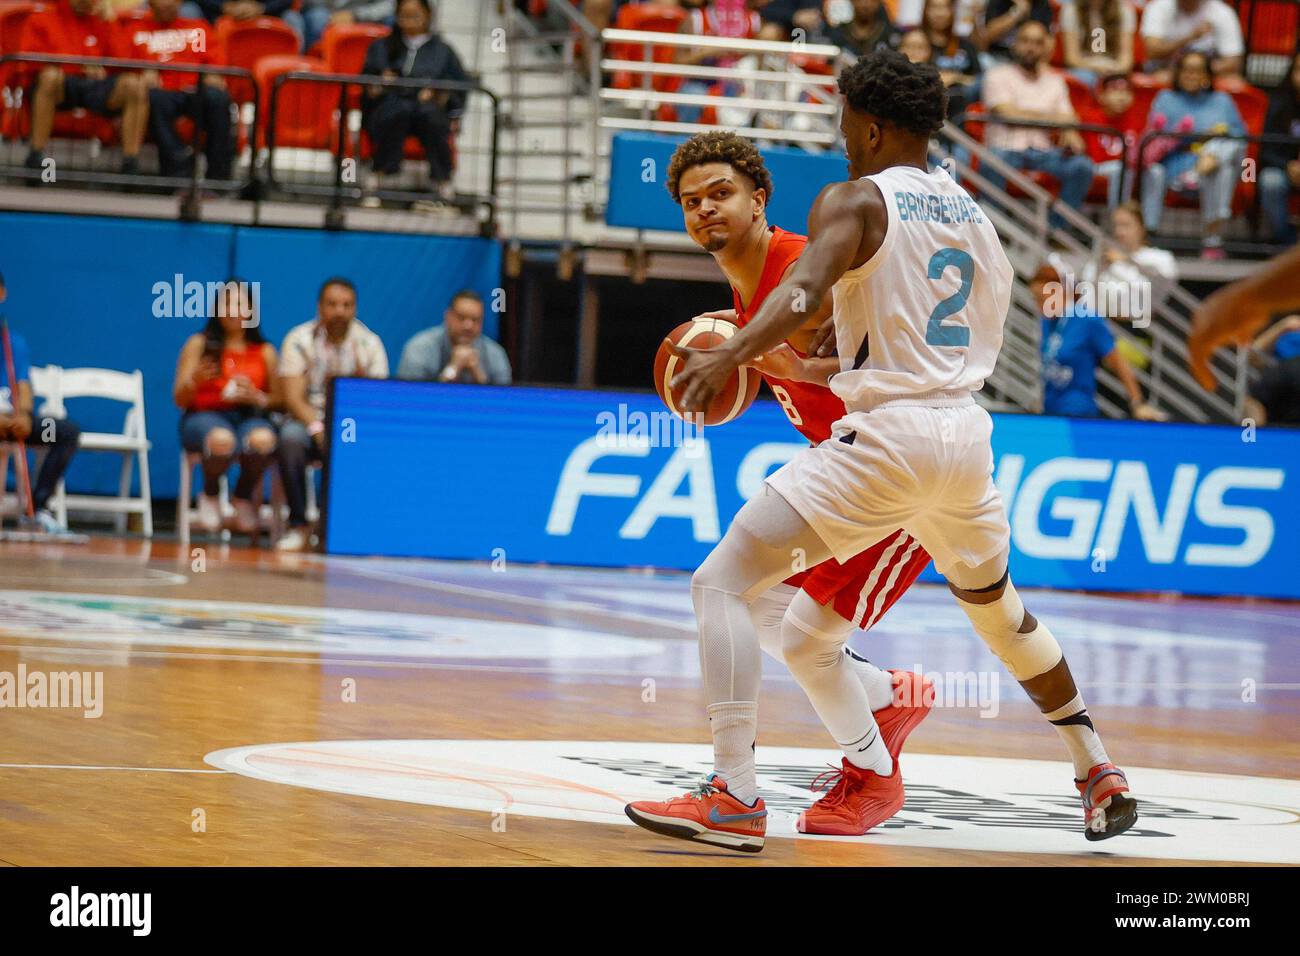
(722, 185)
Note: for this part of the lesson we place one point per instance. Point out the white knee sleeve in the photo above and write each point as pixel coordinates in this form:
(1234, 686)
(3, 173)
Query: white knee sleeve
(998, 624)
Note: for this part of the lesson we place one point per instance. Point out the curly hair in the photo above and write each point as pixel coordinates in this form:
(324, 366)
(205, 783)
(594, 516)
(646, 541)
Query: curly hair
(719, 146)
(908, 95)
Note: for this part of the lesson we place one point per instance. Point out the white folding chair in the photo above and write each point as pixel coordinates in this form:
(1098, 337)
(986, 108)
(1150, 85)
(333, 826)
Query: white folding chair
(186, 511)
(132, 443)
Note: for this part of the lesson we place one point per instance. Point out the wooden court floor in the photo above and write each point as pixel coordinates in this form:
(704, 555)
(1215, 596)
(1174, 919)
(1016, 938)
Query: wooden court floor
(247, 648)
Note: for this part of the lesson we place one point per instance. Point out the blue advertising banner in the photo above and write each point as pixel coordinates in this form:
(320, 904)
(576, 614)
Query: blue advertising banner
(612, 479)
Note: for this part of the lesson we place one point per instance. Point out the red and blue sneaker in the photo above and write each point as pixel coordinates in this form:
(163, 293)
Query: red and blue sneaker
(708, 814)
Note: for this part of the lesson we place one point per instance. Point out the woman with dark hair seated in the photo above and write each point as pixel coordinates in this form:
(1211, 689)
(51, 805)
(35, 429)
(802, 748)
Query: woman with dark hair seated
(225, 382)
(1211, 167)
(414, 50)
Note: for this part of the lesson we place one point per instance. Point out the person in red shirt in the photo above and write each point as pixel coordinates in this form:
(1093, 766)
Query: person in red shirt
(720, 181)
(1117, 108)
(164, 36)
(82, 28)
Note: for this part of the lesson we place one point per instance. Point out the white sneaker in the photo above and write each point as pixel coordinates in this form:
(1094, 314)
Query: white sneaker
(295, 539)
(209, 513)
(245, 521)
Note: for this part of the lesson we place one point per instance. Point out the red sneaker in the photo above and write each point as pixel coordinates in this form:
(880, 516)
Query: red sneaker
(857, 801)
(708, 814)
(1106, 811)
(913, 699)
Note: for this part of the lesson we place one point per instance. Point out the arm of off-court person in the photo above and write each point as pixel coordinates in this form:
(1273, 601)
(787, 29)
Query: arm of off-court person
(836, 226)
(1237, 311)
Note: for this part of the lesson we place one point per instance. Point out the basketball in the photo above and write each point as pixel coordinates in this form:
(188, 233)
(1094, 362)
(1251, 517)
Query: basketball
(736, 396)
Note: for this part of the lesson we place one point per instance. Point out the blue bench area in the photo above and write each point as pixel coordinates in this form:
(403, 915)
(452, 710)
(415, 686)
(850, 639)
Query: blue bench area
(638, 171)
(602, 479)
(82, 291)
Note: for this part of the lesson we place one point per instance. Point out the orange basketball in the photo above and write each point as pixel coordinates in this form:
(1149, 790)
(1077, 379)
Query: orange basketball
(736, 396)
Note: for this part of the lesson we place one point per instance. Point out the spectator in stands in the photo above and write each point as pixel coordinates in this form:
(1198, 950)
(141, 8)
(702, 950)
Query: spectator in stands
(1097, 37)
(955, 56)
(236, 9)
(708, 18)
(1128, 259)
(1134, 280)
(869, 29)
(1029, 89)
(1074, 342)
(1210, 167)
(457, 350)
(226, 381)
(413, 50)
(58, 436)
(82, 28)
(914, 45)
(315, 15)
(1002, 22)
(335, 344)
(168, 38)
(1117, 108)
(782, 17)
(1279, 163)
(1173, 27)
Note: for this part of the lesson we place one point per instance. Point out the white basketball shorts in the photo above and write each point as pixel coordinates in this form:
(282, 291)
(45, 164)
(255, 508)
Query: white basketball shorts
(924, 468)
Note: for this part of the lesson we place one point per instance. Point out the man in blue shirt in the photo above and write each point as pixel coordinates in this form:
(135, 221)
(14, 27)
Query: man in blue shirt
(1075, 342)
(58, 436)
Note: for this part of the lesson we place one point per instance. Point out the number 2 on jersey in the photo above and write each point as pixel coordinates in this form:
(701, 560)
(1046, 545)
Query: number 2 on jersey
(936, 333)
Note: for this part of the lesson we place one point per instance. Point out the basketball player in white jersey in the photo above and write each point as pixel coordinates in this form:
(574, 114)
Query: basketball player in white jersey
(921, 288)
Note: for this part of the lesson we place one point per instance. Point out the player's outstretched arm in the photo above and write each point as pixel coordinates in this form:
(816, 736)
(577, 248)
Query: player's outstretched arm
(1237, 311)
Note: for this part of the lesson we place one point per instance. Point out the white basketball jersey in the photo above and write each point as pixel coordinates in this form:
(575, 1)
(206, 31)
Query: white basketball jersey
(925, 313)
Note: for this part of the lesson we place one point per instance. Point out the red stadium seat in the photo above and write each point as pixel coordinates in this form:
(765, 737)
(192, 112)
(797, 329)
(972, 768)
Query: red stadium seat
(1275, 25)
(1082, 97)
(344, 48)
(306, 112)
(247, 41)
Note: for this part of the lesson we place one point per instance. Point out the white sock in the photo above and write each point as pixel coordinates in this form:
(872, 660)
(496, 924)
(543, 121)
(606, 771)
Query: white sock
(735, 727)
(1075, 727)
(877, 682)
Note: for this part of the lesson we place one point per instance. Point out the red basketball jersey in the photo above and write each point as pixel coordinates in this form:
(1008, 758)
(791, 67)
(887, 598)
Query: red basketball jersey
(812, 409)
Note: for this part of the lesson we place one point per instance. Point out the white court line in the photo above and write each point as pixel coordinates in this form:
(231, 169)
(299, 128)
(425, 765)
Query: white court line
(61, 766)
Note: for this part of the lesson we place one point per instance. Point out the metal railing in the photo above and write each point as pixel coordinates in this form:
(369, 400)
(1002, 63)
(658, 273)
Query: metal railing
(14, 104)
(342, 183)
(1028, 229)
(783, 101)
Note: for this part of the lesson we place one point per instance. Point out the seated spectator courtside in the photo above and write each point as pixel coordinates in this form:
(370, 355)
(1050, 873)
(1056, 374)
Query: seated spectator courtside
(334, 344)
(226, 383)
(82, 28)
(955, 56)
(166, 37)
(58, 437)
(315, 16)
(457, 350)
